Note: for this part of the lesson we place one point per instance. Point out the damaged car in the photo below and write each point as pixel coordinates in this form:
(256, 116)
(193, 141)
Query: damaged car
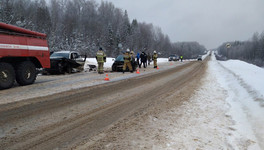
(65, 62)
(90, 66)
(119, 63)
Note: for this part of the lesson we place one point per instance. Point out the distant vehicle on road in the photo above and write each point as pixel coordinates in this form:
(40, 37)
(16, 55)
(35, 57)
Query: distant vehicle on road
(199, 58)
(119, 62)
(64, 62)
(173, 58)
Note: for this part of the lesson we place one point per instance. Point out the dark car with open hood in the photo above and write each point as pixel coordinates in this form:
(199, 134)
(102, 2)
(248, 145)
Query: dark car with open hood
(65, 62)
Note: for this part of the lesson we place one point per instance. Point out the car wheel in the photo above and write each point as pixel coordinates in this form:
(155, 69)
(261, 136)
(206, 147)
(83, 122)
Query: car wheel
(60, 68)
(114, 68)
(7, 75)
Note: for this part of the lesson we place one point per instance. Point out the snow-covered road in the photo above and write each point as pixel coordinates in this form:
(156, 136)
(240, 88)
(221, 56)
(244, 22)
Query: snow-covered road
(52, 84)
(225, 112)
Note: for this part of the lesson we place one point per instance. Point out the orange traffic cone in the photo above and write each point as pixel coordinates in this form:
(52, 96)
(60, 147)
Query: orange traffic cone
(157, 67)
(106, 77)
(138, 71)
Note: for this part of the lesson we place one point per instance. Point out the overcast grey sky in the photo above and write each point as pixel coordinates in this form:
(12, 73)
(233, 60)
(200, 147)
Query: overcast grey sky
(209, 22)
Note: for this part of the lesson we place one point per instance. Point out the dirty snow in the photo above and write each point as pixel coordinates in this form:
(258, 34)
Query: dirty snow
(225, 112)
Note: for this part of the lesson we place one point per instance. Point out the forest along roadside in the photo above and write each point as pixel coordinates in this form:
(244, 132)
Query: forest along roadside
(66, 119)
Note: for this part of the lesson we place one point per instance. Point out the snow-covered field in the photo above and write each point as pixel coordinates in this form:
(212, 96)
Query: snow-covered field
(244, 85)
(226, 112)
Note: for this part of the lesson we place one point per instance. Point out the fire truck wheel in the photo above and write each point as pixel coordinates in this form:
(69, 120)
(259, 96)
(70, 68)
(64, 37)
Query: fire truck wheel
(26, 73)
(7, 75)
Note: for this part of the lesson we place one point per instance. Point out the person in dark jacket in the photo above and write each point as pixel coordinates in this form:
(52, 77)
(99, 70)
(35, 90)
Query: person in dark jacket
(138, 57)
(143, 58)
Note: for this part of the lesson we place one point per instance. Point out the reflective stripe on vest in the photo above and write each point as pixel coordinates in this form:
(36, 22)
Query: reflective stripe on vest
(100, 56)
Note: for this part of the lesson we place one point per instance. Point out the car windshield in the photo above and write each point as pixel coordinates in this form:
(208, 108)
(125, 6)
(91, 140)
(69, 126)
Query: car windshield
(65, 55)
(172, 55)
(120, 58)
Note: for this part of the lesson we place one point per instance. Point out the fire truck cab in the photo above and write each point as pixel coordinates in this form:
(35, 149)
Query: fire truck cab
(21, 52)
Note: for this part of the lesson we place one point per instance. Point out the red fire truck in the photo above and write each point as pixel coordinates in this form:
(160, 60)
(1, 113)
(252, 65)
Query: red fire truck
(21, 52)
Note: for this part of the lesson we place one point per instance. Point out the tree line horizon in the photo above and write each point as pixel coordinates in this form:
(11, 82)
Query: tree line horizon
(85, 25)
(251, 51)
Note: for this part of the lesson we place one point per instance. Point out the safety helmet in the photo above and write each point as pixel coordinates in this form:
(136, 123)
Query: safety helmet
(127, 50)
(154, 52)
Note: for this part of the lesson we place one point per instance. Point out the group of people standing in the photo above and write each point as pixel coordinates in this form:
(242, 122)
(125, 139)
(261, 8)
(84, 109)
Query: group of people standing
(142, 58)
(145, 59)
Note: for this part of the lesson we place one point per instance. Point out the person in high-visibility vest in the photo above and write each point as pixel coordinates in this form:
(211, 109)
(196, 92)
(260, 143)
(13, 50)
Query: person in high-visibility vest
(149, 58)
(155, 58)
(127, 61)
(181, 58)
(101, 59)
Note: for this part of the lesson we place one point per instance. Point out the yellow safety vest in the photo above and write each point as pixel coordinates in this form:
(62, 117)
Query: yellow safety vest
(127, 57)
(100, 56)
